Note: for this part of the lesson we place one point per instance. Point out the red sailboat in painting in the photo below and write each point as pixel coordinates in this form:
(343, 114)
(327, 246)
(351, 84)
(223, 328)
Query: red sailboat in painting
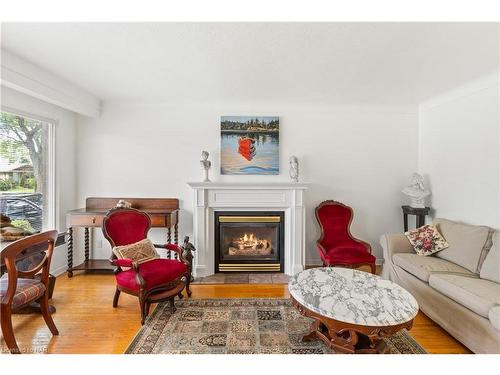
(246, 142)
(246, 147)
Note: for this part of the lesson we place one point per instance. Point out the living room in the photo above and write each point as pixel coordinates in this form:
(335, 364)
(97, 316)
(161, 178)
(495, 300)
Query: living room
(250, 187)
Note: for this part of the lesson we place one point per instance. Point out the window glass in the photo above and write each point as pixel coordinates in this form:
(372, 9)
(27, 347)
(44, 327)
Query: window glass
(25, 172)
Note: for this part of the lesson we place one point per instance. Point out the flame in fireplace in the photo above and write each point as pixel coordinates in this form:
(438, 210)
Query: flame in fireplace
(250, 241)
(250, 244)
(247, 238)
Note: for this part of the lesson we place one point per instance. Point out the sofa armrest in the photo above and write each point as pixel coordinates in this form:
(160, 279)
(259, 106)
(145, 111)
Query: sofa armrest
(393, 243)
(494, 316)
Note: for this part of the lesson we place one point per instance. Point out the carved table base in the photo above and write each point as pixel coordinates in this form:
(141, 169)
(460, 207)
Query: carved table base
(348, 338)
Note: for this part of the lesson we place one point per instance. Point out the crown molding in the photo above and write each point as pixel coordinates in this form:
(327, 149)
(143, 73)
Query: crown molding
(25, 77)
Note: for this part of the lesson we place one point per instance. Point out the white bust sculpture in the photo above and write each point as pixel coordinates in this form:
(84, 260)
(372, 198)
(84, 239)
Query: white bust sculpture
(417, 191)
(206, 164)
(294, 168)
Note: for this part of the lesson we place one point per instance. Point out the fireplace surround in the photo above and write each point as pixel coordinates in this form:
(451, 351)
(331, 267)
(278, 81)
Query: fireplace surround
(249, 241)
(284, 197)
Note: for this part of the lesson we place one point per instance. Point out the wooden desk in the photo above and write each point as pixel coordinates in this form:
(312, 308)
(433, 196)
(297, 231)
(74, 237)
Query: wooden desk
(164, 213)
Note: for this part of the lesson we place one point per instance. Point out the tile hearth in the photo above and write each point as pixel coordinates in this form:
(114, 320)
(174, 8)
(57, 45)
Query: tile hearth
(243, 278)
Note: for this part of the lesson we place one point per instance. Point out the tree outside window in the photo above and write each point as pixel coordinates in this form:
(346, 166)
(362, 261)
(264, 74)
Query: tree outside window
(24, 169)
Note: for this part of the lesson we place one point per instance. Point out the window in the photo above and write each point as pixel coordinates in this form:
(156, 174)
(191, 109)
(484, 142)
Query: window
(26, 171)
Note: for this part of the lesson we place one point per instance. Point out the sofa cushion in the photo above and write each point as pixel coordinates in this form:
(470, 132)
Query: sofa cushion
(490, 269)
(465, 241)
(476, 294)
(494, 316)
(422, 267)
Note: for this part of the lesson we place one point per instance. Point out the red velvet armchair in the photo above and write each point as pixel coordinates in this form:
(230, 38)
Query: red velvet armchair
(152, 281)
(337, 246)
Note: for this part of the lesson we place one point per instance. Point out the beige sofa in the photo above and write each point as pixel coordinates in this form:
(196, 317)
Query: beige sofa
(459, 287)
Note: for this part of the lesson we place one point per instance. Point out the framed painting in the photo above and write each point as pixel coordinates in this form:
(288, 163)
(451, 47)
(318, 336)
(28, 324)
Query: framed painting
(249, 145)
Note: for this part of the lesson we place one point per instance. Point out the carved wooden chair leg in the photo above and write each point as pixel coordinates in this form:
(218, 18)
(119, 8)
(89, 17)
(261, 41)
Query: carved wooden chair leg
(180, 295)
(44, 307)
(172, 305)
(142, 303)
(115, 298)
(7, 330)
(147, 308)
(188, 283)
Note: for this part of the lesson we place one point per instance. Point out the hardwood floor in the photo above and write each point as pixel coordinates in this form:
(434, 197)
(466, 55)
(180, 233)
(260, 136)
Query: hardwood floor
(89, 324)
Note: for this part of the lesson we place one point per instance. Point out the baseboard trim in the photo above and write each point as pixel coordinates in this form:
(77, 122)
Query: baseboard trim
(59, 270)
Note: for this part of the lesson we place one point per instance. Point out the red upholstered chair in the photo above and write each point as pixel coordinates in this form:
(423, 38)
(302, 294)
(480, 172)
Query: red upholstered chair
(337, 246)
(152, 281)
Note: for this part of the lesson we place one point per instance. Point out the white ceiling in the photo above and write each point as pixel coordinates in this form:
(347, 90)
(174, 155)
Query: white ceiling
(348, 63)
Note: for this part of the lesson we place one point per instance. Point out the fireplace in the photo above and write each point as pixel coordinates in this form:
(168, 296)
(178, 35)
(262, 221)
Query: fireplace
(250, 241)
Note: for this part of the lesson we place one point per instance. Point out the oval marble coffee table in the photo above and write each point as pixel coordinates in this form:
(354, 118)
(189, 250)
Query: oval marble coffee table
(352, 310)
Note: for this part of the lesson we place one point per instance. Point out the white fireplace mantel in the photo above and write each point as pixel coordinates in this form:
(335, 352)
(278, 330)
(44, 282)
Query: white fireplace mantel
(253, 196)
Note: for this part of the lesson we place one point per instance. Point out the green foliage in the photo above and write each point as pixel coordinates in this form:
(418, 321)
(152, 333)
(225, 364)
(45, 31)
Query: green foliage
(12, 139)
(23, 224)
(28, 183)
(252, 124)
(6, 185)
(23, 140)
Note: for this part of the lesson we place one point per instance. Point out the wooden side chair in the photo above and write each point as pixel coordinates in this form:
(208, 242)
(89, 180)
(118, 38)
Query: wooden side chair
(153, 281)
(337, 246)
(19, 288)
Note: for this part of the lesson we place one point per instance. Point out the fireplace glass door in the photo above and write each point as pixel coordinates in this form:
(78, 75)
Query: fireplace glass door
(249, 241)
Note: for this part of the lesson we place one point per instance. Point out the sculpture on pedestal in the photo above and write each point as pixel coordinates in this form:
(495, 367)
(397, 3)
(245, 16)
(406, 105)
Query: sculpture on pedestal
(206, 164)
(294, 168)
(417, 191)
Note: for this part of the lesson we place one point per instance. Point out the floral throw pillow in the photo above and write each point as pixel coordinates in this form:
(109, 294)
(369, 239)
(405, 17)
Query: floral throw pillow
(426, 240)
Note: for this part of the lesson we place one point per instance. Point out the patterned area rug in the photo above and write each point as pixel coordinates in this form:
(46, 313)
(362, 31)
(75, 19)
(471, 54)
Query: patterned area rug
(238, 326)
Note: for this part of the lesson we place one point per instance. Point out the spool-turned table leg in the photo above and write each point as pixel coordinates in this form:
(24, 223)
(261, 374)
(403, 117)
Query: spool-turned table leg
(87, 243)
(70, 252)
(176, 238)
(169, 240)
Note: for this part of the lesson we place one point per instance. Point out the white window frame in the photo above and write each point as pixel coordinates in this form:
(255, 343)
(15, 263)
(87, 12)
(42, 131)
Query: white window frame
(51, 160)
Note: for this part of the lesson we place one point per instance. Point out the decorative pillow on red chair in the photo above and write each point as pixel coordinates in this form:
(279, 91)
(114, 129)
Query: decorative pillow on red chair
(140, 252)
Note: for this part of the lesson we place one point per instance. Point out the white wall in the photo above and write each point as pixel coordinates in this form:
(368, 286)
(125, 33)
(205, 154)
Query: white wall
(361, 156)
(459, 152)
(65, 188)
